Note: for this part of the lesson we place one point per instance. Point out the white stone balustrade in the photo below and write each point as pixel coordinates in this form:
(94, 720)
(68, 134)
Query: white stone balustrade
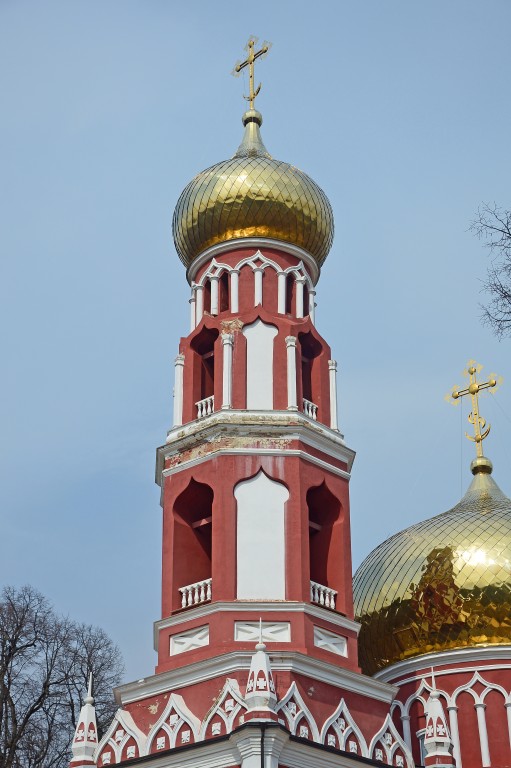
(205, 407)
(195, 594)
(310, 409)
(323, 595)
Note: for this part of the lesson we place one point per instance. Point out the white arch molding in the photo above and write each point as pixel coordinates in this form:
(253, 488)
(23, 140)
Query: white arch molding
(261, 547)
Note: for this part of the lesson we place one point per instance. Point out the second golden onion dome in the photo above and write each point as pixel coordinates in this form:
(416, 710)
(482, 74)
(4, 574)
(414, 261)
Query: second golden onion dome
(441, 584)
(252, 195)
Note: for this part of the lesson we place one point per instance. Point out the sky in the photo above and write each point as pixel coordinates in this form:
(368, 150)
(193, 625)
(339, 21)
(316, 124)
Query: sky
(398, 109)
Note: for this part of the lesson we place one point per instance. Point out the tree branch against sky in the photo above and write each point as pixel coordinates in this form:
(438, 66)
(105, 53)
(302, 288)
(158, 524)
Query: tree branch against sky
(493, 227)
(45, 661)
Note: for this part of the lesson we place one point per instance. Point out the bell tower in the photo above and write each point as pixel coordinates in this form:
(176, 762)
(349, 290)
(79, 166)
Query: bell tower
(257, 628)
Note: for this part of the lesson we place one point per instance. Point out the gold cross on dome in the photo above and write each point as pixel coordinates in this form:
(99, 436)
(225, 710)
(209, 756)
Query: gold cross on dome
(481, 429)
(249, 62)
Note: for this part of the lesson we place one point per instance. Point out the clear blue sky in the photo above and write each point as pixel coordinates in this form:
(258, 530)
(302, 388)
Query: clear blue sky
(399, 110)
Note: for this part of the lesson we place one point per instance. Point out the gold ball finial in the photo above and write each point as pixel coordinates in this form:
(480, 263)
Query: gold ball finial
(481, 465)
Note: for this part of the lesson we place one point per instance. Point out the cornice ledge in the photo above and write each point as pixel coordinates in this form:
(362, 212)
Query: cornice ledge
(256, 607)
(253, 423)
(444, 658)
(259, 243)
(230, 663)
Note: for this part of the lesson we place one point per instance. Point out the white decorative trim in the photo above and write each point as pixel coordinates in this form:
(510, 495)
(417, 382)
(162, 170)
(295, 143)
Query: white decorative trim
(269, 631)
(292, 403)
(329, 641)
(234, 280)
(232, 663)
(257, 452)
(194, 638)
(256, 607)
(257, 243)
(227, 348)
(390, 743)
(199, 303)
(293, 707)
(178, 390)
(332, 376)
(256, 424)
(213, 279)
(428, 660)
(227, 707)
(258, 286)
(191, 301)
(122, 721)
(343, 715)
(177, 706)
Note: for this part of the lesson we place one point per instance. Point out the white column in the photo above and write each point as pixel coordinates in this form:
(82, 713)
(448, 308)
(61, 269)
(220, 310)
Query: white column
(508, 713)
(332, 371)
(214, 294)
(299, 296)
(199, 303)
(483, 734)
(258, 286)
(407, 734)
(455, 734)
(281, 306)
(291, 373)
(312, 305)
(191, 301)
(179, 365)
(227, 345)
(235, 274)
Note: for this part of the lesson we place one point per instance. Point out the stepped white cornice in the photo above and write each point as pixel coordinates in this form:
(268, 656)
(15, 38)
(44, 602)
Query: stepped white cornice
(256, 425)
(258, 607)
(231, 664)
(449, 660)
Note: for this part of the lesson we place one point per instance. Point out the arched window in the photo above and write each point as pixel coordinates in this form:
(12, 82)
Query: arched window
(192, 545)
(305, 300)
(324, 510)
(310, 349)
(290, 292)
(207, 296)
(223, 289)
(204, 369)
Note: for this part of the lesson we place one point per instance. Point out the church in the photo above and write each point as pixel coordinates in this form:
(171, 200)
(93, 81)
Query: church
(270, 654)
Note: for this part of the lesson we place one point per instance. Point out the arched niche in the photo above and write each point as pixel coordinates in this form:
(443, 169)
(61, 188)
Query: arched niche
(324, 510)
(193, 521)
(260, 539)
(203, 345)
(310, 350)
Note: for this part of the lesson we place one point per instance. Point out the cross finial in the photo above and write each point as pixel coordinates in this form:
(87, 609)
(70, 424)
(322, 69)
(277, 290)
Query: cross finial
(481, 428)
(249, 62)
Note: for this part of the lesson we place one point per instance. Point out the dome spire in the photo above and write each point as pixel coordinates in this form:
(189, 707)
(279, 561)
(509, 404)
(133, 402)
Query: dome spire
(481, 428)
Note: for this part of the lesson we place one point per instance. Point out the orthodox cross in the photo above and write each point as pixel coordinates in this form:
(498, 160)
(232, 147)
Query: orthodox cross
(249, 62)
(481, 430)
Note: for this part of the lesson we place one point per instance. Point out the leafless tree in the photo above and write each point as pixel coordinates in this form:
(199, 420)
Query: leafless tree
(493, 226)
(45, 661)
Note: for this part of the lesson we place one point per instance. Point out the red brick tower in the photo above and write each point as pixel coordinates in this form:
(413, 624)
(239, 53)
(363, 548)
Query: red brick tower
(257, 643)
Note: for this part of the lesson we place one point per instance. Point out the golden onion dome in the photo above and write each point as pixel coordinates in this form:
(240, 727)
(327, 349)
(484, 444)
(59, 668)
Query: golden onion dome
(252, 195)
(441, 584)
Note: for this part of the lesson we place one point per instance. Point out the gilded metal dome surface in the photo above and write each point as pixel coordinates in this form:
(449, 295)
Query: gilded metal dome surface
(252, 195)
(441, 584)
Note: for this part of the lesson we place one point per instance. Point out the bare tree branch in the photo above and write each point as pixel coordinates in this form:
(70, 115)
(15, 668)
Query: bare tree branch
(45, 661)
(493, 226)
